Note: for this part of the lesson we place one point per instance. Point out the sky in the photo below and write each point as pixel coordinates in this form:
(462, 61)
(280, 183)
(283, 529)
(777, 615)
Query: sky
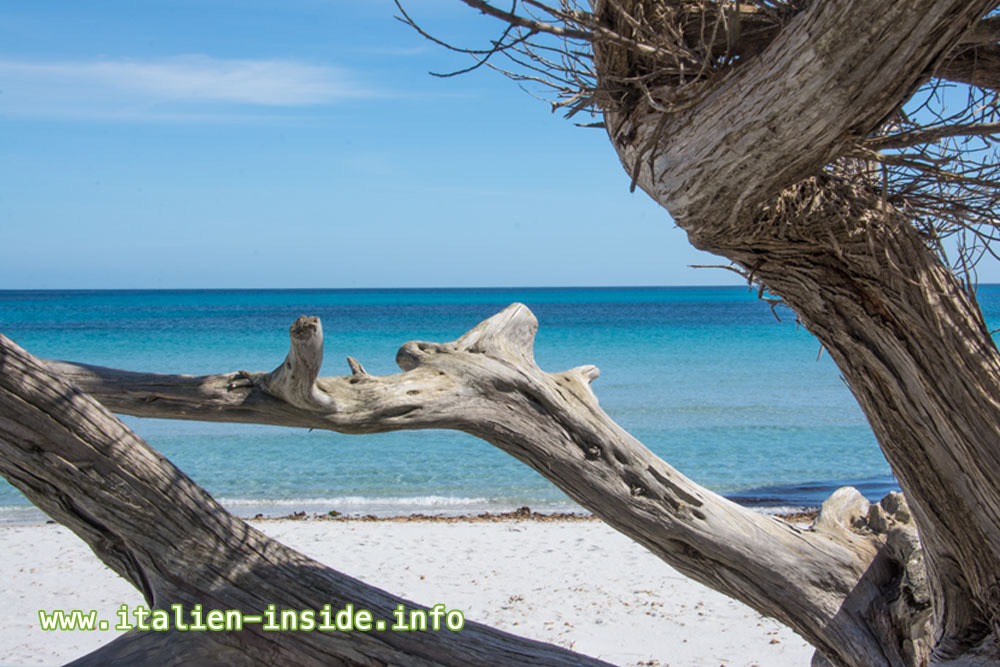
(300, 143)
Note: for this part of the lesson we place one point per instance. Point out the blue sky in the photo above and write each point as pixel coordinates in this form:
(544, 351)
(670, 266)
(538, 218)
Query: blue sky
(299, 143)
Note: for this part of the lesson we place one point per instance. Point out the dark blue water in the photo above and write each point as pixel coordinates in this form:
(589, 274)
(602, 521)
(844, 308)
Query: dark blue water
(706, 377)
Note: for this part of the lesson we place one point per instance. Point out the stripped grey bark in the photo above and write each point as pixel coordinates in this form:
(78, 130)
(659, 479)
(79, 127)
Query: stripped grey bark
(826, 583)
(294, 380)
(164, 534)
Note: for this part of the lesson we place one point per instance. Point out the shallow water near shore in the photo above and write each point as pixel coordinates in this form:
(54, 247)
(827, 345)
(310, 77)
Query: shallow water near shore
(707, 378)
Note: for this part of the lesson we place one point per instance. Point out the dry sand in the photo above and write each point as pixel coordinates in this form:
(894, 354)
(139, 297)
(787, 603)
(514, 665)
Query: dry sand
(578, 584)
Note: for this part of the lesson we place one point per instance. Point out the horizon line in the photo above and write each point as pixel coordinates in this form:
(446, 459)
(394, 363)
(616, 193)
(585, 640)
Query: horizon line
(390, 289)
(370, 289)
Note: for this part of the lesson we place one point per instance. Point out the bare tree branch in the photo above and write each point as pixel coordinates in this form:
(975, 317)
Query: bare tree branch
(486, 383)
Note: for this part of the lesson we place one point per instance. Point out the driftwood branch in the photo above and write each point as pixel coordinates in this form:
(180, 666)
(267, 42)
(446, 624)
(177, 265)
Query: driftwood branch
(820, 582)
(159, 530)
(976, 66)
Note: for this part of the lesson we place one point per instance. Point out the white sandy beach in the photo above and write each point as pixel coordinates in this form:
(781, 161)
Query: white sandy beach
(578, 584)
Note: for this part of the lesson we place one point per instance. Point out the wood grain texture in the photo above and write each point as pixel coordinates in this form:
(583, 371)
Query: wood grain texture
(914, 349)
(741, 169)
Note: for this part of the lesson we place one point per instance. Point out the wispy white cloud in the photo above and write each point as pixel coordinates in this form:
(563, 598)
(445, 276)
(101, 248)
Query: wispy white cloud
(189, 86)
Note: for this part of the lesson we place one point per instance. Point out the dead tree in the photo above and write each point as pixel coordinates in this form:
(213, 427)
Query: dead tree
(774, 133)
(164, 534)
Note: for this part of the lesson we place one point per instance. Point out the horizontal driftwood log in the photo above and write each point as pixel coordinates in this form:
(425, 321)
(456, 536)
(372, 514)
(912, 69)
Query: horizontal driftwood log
(828, 583)
(160, 531)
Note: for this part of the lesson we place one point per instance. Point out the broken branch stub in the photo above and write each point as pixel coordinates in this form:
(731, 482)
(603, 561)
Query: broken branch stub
(294, 381)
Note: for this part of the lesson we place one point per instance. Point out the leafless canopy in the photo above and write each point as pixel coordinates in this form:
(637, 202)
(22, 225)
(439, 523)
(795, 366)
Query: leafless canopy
(935, 158)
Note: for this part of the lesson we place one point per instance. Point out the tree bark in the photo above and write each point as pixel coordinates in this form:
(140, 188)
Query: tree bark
(914, 349)
(742, 172)
(783, 115)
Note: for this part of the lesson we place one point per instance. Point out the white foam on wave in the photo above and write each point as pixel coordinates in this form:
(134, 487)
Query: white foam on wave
(351, 505)
(385, 505)
(359, 501)
(784, 509)
(21, 514)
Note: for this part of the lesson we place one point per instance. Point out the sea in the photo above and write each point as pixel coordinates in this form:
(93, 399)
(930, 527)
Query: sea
(726, 389)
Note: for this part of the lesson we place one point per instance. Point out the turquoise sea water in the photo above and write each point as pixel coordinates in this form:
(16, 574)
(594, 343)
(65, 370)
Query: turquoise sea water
(705, 377)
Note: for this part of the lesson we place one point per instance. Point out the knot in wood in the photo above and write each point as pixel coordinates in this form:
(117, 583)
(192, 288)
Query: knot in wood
(592, 453)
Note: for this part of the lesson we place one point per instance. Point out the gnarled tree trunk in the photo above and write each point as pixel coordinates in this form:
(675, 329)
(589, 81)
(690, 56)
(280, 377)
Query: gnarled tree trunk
(741, 171)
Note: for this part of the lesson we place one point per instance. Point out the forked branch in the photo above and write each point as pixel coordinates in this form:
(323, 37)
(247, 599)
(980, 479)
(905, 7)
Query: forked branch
(487, 383)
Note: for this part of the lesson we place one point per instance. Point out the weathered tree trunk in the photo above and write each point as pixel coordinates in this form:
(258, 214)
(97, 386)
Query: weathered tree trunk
(915, 351)
(741, 172)
(826, 583)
